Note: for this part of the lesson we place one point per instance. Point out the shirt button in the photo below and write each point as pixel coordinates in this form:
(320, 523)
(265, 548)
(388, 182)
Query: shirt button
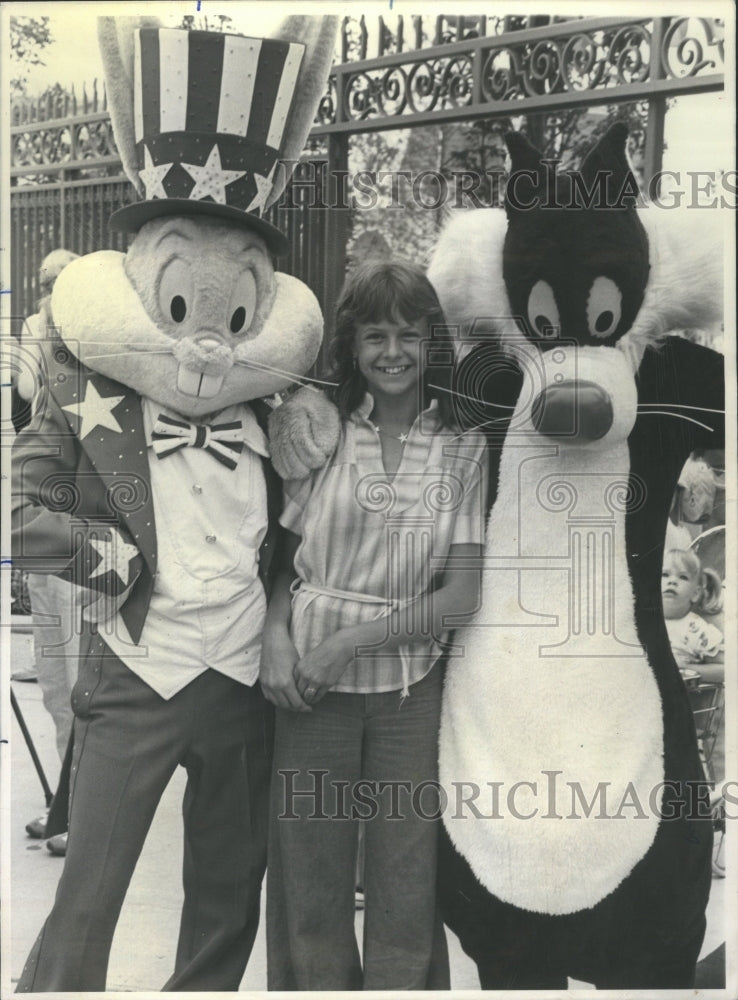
(210, 538)
(196, 488)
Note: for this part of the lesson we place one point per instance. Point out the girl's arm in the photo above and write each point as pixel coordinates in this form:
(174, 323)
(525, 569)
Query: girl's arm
(432, 615)
(278, 653)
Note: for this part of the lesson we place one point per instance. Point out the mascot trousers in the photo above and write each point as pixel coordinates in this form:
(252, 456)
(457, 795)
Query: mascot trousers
(356, 755)
(128, 742)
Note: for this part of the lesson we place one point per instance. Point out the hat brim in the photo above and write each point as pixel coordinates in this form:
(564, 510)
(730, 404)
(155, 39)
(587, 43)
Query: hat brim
(130, 218)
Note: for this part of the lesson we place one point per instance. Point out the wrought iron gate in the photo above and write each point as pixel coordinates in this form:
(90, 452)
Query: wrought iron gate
(65, 172)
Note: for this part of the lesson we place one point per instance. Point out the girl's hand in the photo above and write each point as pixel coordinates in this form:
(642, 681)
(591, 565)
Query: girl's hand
(324, 666)
(278, 659)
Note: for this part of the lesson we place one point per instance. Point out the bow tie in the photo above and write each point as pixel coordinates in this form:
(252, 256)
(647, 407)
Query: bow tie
(223, 441)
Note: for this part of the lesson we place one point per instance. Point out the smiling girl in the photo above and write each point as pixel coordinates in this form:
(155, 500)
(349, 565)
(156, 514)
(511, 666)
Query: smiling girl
(384, 558)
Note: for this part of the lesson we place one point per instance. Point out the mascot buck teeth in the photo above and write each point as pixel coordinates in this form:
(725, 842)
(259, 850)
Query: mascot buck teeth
(575, 841)
(144, 478)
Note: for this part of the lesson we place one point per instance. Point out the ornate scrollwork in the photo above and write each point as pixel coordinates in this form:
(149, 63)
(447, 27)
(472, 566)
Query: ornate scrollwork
(500, 75)
(582, 64)
(456, 81)
(59, 144)
(41, 147)
(423, 85)
(683, 49)
(391, 92)
(629, 52)
(569, 58)
(543, 69)
(94, 140)
(326, 113)
(358, 99)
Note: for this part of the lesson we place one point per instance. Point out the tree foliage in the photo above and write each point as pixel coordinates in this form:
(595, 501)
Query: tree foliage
(203, 22)
(29, 36)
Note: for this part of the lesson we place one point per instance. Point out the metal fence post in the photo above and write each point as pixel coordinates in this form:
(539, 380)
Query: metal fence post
(337, 228)
(653, 153)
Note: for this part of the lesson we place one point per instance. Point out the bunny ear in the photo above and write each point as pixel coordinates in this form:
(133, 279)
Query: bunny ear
(318, 34)
(115, 37)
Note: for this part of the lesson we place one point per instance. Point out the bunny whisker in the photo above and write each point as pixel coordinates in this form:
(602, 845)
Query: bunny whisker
(297, 379)
(144, 344)
(123, 354)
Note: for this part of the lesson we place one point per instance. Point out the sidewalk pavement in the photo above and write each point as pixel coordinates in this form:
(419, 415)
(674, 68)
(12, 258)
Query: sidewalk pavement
(145, 941)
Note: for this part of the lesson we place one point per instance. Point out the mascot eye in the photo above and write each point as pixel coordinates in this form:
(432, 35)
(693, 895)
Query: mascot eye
(175, 289)
(242, 305)
(178, 308)
(543, 313)
(603, 307)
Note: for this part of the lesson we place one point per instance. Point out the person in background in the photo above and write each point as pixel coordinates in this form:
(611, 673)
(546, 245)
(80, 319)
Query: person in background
(53, 608)
(693, 503)
(690, 592)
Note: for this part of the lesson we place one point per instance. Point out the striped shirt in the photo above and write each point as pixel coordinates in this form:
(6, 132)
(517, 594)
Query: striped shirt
(379, 539)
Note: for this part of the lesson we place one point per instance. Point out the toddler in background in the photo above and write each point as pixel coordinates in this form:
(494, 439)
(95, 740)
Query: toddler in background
(688, 591)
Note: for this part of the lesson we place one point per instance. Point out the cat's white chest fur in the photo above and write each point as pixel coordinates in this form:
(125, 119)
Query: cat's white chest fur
(552, 712)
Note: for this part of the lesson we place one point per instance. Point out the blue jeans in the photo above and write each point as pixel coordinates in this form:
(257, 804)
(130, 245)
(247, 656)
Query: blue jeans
(317, 805)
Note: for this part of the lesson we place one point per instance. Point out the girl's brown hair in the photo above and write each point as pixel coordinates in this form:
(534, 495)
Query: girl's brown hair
(390, 290)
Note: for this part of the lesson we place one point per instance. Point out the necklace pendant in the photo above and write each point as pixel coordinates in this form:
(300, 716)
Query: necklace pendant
(402, 438)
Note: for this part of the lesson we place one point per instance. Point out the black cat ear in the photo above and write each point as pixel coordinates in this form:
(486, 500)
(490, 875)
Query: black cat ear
(523, 154)
(525, 161)
(607, 159)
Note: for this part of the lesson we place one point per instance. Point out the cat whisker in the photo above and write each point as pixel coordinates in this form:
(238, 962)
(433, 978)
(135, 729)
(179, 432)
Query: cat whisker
(679, 416)
(471, 399)
(478, 427)
(679, 406)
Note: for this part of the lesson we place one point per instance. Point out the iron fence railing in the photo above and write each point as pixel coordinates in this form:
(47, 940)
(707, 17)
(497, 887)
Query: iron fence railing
(66, 177)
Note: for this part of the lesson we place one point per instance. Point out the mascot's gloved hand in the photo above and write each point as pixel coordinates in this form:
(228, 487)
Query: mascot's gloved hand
(303, 433)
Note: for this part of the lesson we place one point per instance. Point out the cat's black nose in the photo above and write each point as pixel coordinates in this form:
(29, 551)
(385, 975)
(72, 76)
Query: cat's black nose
(574, 410)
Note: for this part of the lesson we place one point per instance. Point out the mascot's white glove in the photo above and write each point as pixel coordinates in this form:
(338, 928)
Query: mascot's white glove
(303, 433)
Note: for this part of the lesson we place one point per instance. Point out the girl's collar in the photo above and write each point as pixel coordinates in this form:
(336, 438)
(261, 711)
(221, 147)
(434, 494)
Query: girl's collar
(364, 409)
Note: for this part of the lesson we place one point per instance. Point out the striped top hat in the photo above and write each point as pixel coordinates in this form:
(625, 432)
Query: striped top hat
(210, 112)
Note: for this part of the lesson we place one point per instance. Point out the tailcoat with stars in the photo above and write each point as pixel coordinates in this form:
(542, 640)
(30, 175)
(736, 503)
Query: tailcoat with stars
(83, 509)
(80, 472)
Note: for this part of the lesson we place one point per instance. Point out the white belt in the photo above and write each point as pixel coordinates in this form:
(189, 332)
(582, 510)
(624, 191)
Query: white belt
(387, 607)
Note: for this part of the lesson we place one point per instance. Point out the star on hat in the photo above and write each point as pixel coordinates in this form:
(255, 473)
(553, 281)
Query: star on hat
(211, 179)
(95, 411)
(153, 176)
(263, 188)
